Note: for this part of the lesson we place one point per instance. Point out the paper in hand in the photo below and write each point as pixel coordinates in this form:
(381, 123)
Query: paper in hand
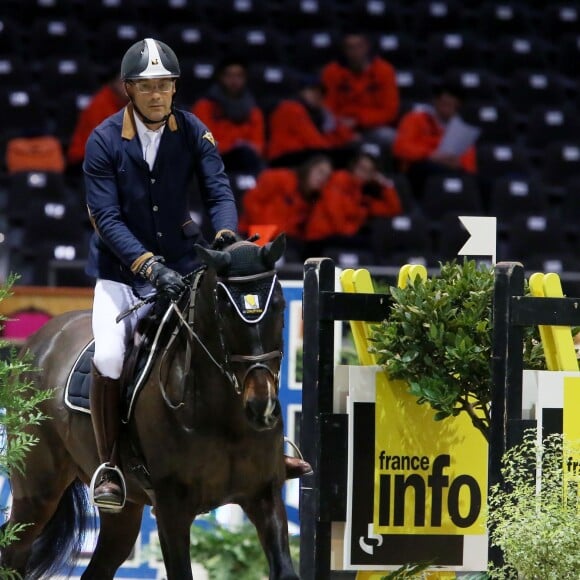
(459, 136)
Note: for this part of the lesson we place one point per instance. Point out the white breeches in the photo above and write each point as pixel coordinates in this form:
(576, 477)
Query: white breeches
(112, 338)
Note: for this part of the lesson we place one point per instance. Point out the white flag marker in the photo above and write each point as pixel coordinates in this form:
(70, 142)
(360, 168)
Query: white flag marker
(483, 236)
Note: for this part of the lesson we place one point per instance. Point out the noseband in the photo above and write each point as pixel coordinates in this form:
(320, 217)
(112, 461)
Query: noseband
(248, 316)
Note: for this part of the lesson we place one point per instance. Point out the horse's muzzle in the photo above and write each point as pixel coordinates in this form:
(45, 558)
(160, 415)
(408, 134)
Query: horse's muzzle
(263, 413)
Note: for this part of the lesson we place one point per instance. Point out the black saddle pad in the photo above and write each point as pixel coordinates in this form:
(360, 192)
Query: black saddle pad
(78, 388)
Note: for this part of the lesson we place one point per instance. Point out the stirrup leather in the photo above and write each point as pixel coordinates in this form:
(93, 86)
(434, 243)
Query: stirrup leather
(104, 467)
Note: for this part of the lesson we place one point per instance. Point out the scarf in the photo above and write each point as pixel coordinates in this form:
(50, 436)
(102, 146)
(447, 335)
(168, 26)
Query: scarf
(236, 109)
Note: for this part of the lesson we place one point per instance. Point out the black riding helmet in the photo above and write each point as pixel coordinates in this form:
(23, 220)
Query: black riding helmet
(149, 59)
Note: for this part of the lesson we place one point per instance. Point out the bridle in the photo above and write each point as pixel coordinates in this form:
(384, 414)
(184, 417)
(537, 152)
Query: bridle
(254, 361)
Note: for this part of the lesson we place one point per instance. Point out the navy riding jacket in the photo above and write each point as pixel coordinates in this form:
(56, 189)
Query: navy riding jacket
(137, 213)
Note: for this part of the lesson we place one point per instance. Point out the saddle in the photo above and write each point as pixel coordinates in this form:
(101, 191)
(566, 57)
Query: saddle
(150, 338)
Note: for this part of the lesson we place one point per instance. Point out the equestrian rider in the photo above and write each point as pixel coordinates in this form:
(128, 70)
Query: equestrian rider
(138, 166)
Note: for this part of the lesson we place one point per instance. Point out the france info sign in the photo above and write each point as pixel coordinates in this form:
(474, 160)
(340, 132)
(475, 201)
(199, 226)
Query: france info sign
(417, 487)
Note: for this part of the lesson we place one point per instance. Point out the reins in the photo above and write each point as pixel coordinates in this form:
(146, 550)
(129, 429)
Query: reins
(192, 336)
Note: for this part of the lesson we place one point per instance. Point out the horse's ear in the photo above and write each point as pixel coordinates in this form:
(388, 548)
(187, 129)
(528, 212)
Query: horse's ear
(219, 260)
(273, 251)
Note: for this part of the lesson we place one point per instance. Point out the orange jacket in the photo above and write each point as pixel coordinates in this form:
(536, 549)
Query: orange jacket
(371, 97)
(292, 130)
(276, 200)
(103, 104)
(343, 208)
(229, 134)
(418, 135)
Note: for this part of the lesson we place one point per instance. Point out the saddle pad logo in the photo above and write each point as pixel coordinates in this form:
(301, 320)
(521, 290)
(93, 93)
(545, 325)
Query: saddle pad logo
(251, 304)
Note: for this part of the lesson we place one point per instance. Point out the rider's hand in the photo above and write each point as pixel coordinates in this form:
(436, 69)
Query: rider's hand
(223, 239)
(166, 280)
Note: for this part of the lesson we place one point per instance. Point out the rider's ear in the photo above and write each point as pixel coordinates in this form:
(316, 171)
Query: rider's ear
(273, 251)
(218, 260)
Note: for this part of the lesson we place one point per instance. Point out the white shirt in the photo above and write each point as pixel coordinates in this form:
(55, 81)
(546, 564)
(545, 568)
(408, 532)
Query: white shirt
(149, 140)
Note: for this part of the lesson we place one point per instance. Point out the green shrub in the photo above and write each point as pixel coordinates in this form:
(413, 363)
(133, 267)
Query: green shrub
(18, 409)
(437, 338)
(537, 531)
(231, 553)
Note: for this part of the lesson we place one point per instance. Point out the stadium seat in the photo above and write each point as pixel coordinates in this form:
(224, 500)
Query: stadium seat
(113, 38)
(314, 48)
(433, 16)
(164, 13)
(560, 19)
(505, 160)
(513, 53)
(477, 85)
(66, 111)
(536, 237)
(397, 48)
(529, 89)
(552, 125)
(568, 54)
(415, 86)
(192, 40)
(402, 239)
(27, 186)
(504, 18)
(455, 194)
(570, 208)
(495, 121)
(101, 11)
(374, 16)
(60, 75)
(60, 37)
(294, 15)
(561, 163)
(12, 72)
(22, 112)
(256, 44)
(11, 34)
(227, 14)
(270, 83)
(197, 75)
(452, 50)
(513, 197)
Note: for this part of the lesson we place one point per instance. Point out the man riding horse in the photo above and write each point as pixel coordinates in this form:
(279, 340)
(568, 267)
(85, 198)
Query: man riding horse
(138, 167)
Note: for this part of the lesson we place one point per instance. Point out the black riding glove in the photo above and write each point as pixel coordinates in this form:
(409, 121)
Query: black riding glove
(166, 280)
(223, 239)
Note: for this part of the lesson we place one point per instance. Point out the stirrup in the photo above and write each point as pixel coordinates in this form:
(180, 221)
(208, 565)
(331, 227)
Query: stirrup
(294, 447)
(99, 473)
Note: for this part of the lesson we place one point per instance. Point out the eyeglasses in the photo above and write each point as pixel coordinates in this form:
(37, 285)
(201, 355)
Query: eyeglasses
(148, 87)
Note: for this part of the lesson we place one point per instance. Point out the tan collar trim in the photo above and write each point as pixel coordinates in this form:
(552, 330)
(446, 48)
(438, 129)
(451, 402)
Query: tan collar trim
(129, 129)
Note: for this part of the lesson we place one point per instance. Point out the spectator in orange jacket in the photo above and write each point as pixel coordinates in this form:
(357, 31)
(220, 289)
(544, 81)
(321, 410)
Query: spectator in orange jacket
(418, 137)
(350, 200)
(361, 90)
(303, 126)
(236, 122)
(285, 197)
(108, 100)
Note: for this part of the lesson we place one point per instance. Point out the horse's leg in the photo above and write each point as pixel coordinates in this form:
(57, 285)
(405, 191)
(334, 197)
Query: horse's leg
(173, 524)
(268, 514)
(33, 513)
(117, 535)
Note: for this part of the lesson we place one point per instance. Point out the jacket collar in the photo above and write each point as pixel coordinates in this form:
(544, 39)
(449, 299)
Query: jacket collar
(129, 130)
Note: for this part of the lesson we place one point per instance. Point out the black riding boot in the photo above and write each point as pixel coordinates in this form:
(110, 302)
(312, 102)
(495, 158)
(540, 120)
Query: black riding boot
(109, 487)
(296, 467)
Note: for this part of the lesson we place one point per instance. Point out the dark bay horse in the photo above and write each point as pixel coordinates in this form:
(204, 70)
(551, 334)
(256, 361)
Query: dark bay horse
(205, 429)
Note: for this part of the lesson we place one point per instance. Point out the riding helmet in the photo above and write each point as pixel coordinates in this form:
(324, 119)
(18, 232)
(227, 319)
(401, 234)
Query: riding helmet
(147, 59)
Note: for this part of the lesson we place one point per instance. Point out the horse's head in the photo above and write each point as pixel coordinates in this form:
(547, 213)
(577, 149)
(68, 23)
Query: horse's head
(250, 318)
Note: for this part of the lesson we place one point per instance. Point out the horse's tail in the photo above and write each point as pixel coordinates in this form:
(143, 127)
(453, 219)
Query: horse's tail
(60, 543)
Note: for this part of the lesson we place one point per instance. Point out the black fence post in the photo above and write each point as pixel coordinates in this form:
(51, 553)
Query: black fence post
(317, 399)
(507, 363)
